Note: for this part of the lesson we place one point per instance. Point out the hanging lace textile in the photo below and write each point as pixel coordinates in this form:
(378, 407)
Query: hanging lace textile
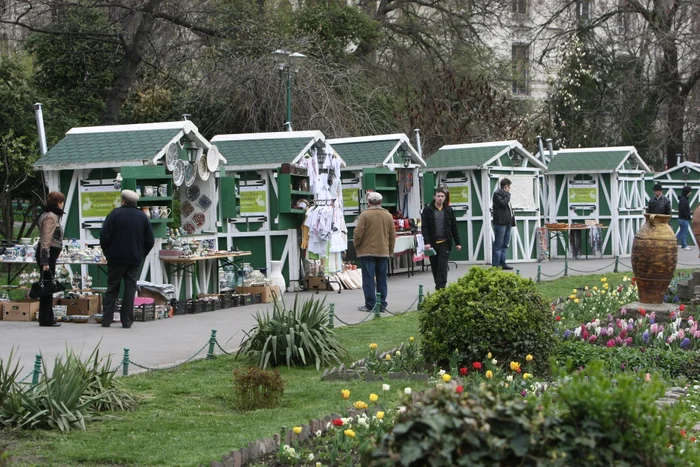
(595, 240)
(542, 244)
(575, 243)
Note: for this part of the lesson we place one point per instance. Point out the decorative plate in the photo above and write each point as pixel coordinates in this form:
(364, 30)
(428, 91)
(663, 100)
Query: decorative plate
(192, 193)
(202, 168)
(204, 202)
(199, 219)
(213, 158)
(186, 209)
(172, 155)
(190, 174)
(179, 172)
(189, 227)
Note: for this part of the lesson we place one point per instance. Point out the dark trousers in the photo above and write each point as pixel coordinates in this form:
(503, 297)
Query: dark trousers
(374, 267)
(115, 273)
(438, 264)
(46, 301)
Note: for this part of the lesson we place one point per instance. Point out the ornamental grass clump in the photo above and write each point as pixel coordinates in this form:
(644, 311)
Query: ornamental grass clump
(257, 389)
(298, 336)
(487, 310)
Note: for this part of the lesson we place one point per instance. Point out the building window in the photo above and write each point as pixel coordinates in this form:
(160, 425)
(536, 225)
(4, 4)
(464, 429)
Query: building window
(521, 69)
(583, 9)
(520, 7)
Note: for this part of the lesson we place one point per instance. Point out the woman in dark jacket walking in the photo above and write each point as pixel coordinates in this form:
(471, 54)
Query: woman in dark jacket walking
(48, 249)
(683, 218)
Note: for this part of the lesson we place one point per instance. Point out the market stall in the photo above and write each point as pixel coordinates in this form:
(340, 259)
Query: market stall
(673, 180)
(602, 187)
(471, 173)
(390, 165)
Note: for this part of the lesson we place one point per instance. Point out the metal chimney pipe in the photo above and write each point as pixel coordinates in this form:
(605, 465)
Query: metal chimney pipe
(40, 126)
(679, 157)
(418, 145)
(540, 145)
(186, 117)
(550, 148)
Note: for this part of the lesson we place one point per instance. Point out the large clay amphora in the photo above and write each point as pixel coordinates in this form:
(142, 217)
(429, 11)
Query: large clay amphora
(695, 225)
(654, 256)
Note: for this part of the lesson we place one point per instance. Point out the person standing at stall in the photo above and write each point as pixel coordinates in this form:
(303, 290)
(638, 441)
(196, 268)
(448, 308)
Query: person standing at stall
(503, 221)
(439, 229)
(683, 218)
(659, 204)
(48, 249)
(374, 240)
(126, 238)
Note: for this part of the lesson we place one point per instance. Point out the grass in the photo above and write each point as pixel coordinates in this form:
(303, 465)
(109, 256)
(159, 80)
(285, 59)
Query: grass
(185, 416)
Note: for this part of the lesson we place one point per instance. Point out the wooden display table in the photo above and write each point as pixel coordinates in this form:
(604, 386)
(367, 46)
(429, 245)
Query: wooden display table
(201, 270)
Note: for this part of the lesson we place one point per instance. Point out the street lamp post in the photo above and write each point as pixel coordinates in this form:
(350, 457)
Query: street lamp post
(288, 66)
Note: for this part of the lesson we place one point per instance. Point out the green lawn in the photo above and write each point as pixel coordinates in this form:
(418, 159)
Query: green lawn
(185, 416)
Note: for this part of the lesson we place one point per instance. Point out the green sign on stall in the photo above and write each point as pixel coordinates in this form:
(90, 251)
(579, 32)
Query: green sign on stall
(96, 202)
(253, 200)
(583, 195)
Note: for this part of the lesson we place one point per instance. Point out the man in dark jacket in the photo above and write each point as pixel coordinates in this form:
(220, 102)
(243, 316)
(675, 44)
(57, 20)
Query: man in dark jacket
(659, 204)
(503, 221)
(439, 229)
(683, 218)
(126, 238)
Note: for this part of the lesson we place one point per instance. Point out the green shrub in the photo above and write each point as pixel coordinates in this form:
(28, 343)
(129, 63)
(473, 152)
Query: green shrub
(297, 336)
(487, 310)
(256, 388)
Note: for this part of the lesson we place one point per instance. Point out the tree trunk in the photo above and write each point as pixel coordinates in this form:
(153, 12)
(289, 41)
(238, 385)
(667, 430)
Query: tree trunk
(675, 116)
(132, 59)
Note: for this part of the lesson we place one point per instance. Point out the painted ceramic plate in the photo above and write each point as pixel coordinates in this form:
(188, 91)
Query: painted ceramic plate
(199, 219)
(186, 209)
(190, 174)
(189, 227)
(171, 156)
(202, 168)
(204, 202)
(213, 158)
(179, 172)
(193, 193)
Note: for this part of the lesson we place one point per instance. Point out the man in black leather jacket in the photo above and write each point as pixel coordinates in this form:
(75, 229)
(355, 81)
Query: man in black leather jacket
(503, 221)
(439, 229)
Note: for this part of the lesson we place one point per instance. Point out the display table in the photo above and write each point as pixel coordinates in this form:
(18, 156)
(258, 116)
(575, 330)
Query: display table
(564, 232)
(404, 247)
(24, 264)
(200, 269)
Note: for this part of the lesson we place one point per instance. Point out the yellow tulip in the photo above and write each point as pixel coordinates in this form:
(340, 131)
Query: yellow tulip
(411, 339)
(359, 405)
(373, 346)
(446, 377)
(349, 433)
(489, 374)
(595, 287)
(507, 385)
(585, 288)
(388, 356)
(514, 366)
(296, 429)
(572, 296)
(527, 376)
(373, 398)
(488, 355)
(575, 291)
(345, 393)
(528, 358)
(380, 415)
(603, 279)
(576, 300)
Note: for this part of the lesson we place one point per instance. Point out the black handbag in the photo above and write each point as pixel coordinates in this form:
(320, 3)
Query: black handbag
(45, 287)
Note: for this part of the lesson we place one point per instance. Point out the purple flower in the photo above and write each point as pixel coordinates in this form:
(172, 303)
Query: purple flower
(523, 393)
(622, 366)
(603, 332)
(685, 343)
(630, 328)
(665, 300)
(676, 299)
(567, 333)
(645, 336)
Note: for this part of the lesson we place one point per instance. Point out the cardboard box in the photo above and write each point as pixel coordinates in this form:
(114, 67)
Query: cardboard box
(86, 305)
(317, 282)
(158, 298)
(265, 291)
(24, 310)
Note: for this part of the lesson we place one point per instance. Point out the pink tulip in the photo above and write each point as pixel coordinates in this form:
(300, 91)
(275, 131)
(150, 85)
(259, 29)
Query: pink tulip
(610, 343)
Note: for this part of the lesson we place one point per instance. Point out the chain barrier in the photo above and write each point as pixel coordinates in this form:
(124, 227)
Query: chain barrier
(410, 307)
(222, 349)
(369, 315)
(594, 270)
(144, 367)
(552, 275)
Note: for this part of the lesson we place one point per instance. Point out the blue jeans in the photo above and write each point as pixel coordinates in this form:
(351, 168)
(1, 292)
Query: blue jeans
(374, 266)
(500, 244)
(683, 232)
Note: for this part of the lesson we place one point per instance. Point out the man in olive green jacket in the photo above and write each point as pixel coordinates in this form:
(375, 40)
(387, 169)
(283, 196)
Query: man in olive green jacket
(374, 239)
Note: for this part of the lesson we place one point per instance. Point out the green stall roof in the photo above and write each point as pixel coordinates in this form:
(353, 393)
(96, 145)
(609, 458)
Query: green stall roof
(114, 145)
(374, 151)
(594, 160)
(476, 155)
(261, 150)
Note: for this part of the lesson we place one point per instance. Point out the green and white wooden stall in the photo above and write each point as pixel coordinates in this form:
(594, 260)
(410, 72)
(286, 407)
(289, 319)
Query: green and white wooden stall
(265, 220)
(672, 181)
(605, 185)
(84, 166)
(471, 173)
(388, 164)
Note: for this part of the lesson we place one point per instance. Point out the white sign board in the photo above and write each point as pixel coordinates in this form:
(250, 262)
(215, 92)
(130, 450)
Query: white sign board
(522, 192)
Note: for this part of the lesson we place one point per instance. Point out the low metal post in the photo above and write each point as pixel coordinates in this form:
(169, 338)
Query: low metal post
(125, 362)
(566, 266)
(539, 272)
(378, 306)
(617, 261)
(420, 296)
(331, 315)
(212, 342)
(37, 370)
(517, 272)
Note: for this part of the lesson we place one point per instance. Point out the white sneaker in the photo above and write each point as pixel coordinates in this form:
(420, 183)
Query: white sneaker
(688, 248)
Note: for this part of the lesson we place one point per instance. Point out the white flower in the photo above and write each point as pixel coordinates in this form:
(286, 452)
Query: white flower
(311, 457)
(510, 378)
(494, 362)
(441, 372)
(385, 387)
(319, 433)
(577, 331)
(398, 353)
(362, 422)
(401, 409)
(407, 391)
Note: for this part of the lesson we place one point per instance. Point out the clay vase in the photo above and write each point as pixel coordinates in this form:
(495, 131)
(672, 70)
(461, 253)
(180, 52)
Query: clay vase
(695, 225)
(654, 257)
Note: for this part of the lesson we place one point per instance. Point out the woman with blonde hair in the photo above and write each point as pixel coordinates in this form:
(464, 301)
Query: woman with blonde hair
(48, 249)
